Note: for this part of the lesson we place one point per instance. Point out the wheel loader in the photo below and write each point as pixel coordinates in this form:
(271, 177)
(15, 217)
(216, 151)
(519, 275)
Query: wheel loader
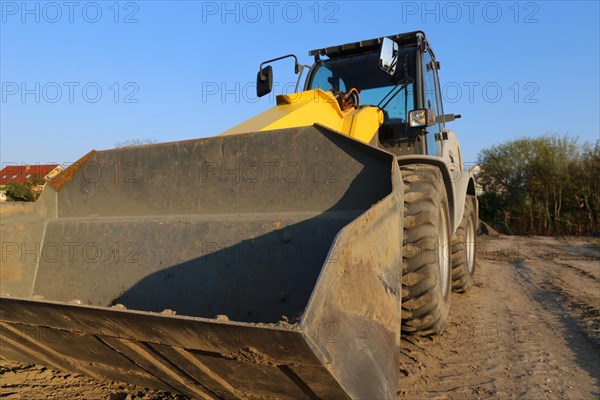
(283, 258)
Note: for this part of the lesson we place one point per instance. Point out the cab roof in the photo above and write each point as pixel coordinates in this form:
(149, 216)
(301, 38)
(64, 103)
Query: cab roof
(365, 46)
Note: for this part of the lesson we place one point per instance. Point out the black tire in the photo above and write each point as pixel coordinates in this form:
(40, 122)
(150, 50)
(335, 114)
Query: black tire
(463, 249)
(426, 252)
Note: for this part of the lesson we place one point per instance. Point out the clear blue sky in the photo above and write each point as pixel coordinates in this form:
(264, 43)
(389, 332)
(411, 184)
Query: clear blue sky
(184, 69)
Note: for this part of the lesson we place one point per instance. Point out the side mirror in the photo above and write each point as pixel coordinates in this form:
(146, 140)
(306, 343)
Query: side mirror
(388, 57)
(264, 81)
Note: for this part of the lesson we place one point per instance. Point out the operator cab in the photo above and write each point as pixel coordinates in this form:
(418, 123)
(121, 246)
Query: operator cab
(404, 88)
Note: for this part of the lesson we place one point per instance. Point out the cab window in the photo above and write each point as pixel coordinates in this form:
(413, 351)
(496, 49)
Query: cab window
(325, 79)
(430, 92)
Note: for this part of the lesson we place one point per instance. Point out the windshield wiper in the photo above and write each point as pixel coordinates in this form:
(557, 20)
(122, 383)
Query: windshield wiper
(402, 86)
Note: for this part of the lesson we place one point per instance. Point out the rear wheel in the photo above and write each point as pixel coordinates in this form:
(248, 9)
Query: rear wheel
(426, 270)
(463, 249)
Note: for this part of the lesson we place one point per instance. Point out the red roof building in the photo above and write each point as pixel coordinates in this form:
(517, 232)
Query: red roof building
(23, 173)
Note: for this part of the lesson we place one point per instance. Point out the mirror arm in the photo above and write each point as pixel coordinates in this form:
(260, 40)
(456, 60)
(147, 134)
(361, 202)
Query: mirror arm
(301, 70)
(296, 65)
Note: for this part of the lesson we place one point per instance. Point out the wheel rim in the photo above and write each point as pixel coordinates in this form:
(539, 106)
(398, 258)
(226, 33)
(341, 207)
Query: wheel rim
(470, 245)
(443, 252)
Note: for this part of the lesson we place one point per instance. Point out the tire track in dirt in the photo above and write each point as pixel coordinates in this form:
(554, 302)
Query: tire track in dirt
(511, 336)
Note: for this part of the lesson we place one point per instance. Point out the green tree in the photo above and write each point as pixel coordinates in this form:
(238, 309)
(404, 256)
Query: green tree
(19, 192)
(26, 191)
(546, 185)
(586, 193)
(35, 180)
(504, 181)
(135, 142)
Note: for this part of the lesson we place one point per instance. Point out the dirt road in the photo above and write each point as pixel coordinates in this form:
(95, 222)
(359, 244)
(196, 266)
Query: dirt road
(529, 328)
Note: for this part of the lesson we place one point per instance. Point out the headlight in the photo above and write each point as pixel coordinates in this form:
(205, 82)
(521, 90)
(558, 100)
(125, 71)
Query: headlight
(417, 118)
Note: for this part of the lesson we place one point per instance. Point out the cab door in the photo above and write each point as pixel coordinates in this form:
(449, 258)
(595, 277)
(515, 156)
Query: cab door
(432, 99)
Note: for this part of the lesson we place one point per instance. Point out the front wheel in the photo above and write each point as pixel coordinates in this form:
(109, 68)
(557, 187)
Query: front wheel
(427, 275)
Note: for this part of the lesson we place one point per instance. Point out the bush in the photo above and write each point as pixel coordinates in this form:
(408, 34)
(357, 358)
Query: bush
(25, 191)
(544, 186)
(19, 192)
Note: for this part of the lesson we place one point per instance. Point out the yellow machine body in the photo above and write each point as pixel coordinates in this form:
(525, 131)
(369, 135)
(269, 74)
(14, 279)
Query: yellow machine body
(314, 106)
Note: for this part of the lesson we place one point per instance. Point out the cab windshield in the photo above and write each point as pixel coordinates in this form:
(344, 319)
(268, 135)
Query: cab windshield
(362, 72)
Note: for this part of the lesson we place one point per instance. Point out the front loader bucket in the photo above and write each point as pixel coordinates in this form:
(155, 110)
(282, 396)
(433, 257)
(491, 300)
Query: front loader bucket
(260, 265)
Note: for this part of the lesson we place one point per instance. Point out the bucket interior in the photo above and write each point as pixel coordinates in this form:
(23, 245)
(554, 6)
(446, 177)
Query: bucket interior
(234, 226)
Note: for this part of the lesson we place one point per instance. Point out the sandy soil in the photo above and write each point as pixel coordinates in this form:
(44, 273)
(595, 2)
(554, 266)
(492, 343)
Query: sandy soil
(32, 382)
(529, 328)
